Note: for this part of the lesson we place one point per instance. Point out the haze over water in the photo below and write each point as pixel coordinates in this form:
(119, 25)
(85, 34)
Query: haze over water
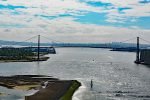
(114, 75)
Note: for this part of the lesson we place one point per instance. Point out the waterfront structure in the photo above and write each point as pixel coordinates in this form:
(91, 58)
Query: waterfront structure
(145, 56)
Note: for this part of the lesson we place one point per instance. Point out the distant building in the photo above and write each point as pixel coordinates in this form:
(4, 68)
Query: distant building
(50, 50)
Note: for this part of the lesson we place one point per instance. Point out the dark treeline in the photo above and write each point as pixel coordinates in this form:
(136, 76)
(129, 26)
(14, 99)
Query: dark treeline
(15, 53)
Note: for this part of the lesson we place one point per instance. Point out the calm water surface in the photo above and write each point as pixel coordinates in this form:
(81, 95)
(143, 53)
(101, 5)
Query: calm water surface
(114, 75)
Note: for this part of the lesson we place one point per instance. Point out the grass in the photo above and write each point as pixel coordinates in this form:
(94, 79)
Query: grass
(68, 95)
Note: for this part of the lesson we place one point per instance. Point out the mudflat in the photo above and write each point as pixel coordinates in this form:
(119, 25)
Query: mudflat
(49, 88)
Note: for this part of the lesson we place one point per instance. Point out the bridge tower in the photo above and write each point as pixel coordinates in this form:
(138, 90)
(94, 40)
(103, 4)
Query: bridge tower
(38, 48)
(138, 52)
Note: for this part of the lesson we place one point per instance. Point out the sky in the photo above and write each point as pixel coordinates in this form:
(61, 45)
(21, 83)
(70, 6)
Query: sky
(75, 20)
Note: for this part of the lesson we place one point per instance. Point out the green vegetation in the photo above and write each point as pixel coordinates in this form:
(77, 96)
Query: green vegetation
(68, 95)
(15, 54)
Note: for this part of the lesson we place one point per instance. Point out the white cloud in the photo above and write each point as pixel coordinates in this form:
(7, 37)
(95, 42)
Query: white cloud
(66, 30)
(137, 9)
(52, 7)
(76, 8)
(41, 7)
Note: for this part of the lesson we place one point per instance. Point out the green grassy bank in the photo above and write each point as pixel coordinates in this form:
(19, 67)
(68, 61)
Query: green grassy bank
(68, 95)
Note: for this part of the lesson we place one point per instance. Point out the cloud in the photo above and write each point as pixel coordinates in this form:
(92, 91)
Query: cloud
(115, 11)
(66, 30)
(74, 20)
(52, 7)
(144, 1)
(13, 12)
(125, 9)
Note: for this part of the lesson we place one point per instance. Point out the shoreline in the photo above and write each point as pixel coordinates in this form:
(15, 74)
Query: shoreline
(26, 60)
(48, 88)
(58, 90)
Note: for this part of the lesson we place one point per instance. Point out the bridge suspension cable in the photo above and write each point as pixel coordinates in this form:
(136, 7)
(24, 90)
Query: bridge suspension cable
(49, 40)
(145, 40)
(25, 40)
(128, 40)
(134, 38)
(52, 40)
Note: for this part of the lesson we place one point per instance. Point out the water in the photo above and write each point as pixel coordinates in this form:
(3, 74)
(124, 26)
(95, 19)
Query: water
(114, 75)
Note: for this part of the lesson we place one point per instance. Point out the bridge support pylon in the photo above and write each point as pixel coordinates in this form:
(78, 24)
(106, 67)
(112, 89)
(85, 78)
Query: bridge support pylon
(137, 61)
(38, 48)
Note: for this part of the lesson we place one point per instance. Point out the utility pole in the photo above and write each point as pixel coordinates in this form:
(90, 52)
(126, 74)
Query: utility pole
(38, 48)
(138, 52)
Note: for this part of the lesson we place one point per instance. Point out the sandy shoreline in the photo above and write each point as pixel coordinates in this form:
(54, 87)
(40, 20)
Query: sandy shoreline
(48, 88)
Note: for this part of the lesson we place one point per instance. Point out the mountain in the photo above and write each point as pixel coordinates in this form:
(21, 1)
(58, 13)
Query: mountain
(92, 45)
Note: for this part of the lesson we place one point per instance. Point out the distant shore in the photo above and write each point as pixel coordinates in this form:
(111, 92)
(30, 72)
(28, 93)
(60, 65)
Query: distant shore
(24, 60)
(48, 88)
(25, 54)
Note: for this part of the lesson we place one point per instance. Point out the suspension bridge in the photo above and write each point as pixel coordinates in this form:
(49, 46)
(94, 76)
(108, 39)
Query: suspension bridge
(38, 45)
(141, 55)
(30, 51)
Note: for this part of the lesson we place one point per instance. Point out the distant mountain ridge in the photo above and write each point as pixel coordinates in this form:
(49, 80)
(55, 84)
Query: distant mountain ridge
(12, 43)
(93, 45)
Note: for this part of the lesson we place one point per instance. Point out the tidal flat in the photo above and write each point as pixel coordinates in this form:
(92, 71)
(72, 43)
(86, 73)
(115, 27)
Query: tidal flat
(46, 87)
